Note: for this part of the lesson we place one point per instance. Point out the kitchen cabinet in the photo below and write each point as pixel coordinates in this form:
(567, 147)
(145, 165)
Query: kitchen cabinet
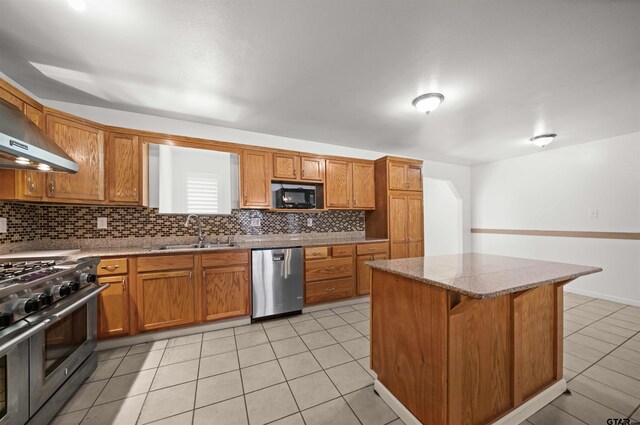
(329, 273)
(255, 179)
(298, 168)
(399, 212)
(368, 252)
(406, 228)
(350, 185)
(405, 176)
(124, 168)
(85, 144)
(225, 285)
(113, 307)
(165, 291)
(113, 303)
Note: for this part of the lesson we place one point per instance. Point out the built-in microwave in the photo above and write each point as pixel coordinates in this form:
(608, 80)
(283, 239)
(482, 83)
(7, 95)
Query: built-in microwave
(295, 198)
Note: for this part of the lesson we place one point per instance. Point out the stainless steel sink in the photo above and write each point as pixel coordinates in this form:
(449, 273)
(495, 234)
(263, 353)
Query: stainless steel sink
(193, 246)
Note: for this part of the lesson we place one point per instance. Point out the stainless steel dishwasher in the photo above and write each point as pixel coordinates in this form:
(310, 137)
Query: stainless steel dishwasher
(277, 281)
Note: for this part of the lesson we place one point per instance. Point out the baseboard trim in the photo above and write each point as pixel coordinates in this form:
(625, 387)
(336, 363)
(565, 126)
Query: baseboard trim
(514, 417)
(602, 296)
(108, 344)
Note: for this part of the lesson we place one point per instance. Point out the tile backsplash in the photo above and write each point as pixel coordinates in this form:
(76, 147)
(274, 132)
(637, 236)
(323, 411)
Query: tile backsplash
(32, 222)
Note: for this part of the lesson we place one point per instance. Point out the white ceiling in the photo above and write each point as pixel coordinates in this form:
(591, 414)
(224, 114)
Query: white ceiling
(345, 72)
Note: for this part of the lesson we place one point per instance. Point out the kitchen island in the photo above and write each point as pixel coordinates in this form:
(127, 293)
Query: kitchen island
(470, 338)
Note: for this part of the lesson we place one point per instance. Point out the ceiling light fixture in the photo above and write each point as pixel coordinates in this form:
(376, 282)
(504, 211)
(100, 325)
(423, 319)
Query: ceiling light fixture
(44, 167)
(22, 161)
(78, 5)
(427, 103)
(543, 139)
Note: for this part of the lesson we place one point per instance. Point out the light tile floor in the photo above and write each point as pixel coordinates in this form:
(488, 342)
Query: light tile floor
(314, 369)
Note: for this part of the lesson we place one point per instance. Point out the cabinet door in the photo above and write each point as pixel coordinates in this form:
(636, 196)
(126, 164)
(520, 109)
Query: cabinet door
(225, 292)
(364, 272)
(113, 307)
(31, 183)
(414, 177)
(398, 218)
(364, 190)
(337, 184)
(256, 184)
(312, 169)
(397, 176)
(165, 299)
(415, 226)
(123, 168)
(285, 166)
(85, 145)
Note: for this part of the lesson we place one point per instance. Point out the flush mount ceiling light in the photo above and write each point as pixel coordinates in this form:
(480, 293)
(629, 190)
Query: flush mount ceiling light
(427, 103)
(44, 167)
(78, 5)
(543, 139)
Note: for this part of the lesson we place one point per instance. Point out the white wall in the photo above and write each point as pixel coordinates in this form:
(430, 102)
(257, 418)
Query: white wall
(556, 190)
(442, 218)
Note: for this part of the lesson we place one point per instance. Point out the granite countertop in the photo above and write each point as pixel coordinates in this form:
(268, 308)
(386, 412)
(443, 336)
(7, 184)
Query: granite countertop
(258, 244)
(483, 275)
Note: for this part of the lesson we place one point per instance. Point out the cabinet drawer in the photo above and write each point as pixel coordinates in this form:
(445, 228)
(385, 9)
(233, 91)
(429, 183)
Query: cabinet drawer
(218, 259)
(342, 251)
(316, 252)
(372, 248)
(165, 262)
(110, 266)
(328, 269)
(330, 290)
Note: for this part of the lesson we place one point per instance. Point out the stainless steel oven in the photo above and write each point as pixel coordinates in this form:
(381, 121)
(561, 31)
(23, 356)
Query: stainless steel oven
(63, 344)
(14, 362)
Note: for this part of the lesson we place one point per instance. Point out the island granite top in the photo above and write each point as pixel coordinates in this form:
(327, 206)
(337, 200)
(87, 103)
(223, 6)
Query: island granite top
(482, 275)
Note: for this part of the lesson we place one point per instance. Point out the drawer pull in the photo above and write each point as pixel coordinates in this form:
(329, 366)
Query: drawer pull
(330, 289)
(316, 253)
(110, 268)
(330, 269)
(372, 249)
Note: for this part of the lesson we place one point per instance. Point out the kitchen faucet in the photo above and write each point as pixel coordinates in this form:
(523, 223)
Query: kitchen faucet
(200, 233)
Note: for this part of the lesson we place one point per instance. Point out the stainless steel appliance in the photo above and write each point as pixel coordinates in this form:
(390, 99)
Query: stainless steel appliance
(48, 315)
(23, 145)
(277, 281)
(295, 198)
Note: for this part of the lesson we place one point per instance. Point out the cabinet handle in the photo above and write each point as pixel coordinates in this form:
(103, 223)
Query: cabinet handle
(204, 274)
(302, 172)
(110, 268)
(245, 199)
(330, 269)
(190, 275)
(316, 253)
(371, 258)
(342, 251)
(52, 187)
(294, 173)
(330, 289)
(124, 284)
(135, 194)
(372, 249)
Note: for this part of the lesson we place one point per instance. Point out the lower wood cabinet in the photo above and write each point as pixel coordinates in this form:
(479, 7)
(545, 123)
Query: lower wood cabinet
(363, 286)
(165, 299)
(113, 307)
(225, 287)
(329, 273)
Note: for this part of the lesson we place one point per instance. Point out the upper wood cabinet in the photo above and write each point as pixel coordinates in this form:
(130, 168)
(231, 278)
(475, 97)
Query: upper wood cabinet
(350, 185)
(255, 182)
(405, 176)
(85, 144)
(298, 168)
(124, 169)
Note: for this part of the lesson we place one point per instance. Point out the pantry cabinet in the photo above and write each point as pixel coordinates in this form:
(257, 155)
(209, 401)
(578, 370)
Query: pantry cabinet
(406, 227)
(85, 144)
(255, 179)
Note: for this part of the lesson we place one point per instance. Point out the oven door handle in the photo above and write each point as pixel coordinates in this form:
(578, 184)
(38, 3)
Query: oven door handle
(77, 303)
(11, 344)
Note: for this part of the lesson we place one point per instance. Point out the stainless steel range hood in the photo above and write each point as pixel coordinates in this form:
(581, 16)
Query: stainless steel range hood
(23, 146)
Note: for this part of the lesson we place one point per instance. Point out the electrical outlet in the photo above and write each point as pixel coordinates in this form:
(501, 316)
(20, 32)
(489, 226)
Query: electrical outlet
(593, 213)
(256, 222)
(309, 222)
(3, 225)
(102, 222)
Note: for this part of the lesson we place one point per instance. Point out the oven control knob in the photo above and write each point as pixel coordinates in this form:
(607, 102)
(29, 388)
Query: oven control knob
(5, 320)
(46, 299)
(28, 305)
(88, 278)
(65, 289)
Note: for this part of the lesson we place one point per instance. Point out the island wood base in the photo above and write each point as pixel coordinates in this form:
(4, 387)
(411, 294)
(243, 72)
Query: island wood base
(452, 359)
